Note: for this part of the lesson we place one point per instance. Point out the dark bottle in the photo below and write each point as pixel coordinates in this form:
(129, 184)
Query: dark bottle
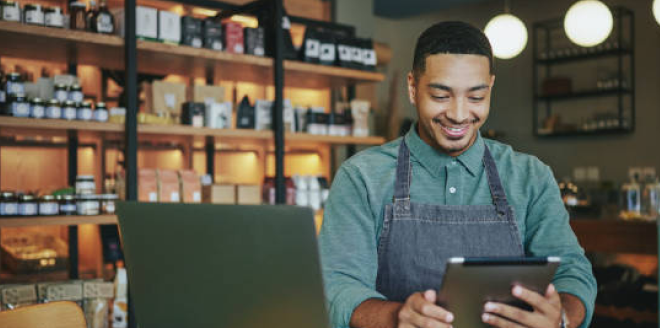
(89, 15)
(103, 22)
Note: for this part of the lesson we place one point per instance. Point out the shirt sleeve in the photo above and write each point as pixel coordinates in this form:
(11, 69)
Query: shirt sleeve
(347, 242)
(550, 234)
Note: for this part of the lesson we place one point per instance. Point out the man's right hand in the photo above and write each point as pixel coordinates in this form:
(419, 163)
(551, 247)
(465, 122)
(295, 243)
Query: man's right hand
(420, 311)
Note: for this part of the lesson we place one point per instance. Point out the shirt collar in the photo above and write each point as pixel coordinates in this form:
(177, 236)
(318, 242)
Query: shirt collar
(435, 161)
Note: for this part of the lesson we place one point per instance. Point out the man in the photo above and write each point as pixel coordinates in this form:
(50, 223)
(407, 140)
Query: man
(397, 212)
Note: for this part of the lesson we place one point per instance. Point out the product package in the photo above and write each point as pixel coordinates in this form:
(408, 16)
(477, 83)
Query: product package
(328, 49)
(120, 304)
(344, 53)
(65, 291)
(254, 41)
(168, 186)
(193, 114)
(147, 185)
(219, 194)
(146, 22)
(16, 296)
(219, 116)
(191, 186)
(165, 97)
(169, 27)
(191, 32)
(207, 94)
(311, 49)
(263, 111)
(96, 302)
(360, 113)
(369, 58)
(233, 37)
(212, 35)
(248, 194)
(317, 121)
(245, 115)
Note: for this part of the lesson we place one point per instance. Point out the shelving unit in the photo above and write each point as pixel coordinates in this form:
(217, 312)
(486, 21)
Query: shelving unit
(13, 222)
(583, 104)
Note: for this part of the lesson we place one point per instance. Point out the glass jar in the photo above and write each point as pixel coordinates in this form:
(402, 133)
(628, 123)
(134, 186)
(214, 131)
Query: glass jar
(87, 205)
(67, 205)
(84, 112)
(61, 93)
(37, 108)
(77, 16)
(101, 112)
(53, 17)
(76, 94)
(8, 204)
(48, 205)
(14, 85)
(53, 109)
(85, 185)
(33, 15)
(27, 205)
(11, 12)
(69, 110)
(18, 106)
(108, 203)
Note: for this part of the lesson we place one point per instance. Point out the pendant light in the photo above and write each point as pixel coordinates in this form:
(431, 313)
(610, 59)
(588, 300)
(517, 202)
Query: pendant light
(588, 22)
(507, 34)
(656, 10)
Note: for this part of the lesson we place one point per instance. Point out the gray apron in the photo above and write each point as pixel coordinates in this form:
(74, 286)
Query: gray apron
(417, 239)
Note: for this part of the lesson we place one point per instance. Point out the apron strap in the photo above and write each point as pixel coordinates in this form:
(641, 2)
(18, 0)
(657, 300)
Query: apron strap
(403, 174)
(494, 183)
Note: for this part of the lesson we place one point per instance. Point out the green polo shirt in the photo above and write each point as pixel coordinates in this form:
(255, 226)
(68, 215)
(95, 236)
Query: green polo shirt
(364, 184)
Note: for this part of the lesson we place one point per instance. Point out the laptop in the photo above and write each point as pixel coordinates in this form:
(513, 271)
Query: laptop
(221, 266)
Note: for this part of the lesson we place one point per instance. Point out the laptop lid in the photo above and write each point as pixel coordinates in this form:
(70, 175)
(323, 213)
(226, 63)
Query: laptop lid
(222, 266)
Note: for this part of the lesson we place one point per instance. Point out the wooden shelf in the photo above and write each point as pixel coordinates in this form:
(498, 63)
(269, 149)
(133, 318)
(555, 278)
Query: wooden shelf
(70, 46)
(584, 94)
(12, 222)
(180, 130)
(626, 313)
(583, 133)
(617, 236)
(581, 57)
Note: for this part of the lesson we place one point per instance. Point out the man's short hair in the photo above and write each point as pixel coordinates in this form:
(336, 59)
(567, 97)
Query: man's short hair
(457, 38)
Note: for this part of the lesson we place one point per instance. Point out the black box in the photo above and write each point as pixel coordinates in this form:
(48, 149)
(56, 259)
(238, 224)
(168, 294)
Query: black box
(193, 114)
(369, 59)
(311, 48)
(253, 39)
(345, 53)
(328, 54)
(212, 34)
(245, 115)
(191, 32)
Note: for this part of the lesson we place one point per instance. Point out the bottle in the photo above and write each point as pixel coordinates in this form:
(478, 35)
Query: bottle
(651, 198)
(103, 22)
(89, 15)
(630, 192)
(77, 12)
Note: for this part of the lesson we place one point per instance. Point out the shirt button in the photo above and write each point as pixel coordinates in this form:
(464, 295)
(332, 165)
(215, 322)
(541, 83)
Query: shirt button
(452, 190)
(453, 163)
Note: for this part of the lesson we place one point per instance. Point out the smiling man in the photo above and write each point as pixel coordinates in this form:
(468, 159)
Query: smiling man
(397, 212)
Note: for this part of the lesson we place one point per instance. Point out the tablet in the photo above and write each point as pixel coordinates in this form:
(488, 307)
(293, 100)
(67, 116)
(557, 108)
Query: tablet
(469, 283)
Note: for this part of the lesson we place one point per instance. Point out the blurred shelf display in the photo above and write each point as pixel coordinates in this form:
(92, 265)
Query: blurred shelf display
(638, 237)
(21, 221)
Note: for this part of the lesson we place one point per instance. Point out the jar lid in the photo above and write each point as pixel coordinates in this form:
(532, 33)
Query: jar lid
(68, 197)
(8, 3)
(84, 177)
(37, 101)
(7, 195)
(76, 87)
(110, 196)
(26, 198)
(14, 74)
(33, 7)
(87, 197)
(69, 103)
(78, 4)
(54, 102)
(53, 9)
(100, 105)
(48, 198)
(18, 96)
(87, 104)
(60, 86)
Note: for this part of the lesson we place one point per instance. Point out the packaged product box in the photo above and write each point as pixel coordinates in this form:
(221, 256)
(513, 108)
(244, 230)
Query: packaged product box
(207, 94)
(191, 32)
(191, 186)
(96, 302)
(65, 291)
(147, 185)
(233, 37)
(254, 41)
(168, 186)
(245, 114)
(248, 194)
(146, 22)
(165, 97)
(219, 194)
(193, 114)
(212, 34)
(15, 296)
(120, 303)
(360, 113)
(219, 115)
(169, 27)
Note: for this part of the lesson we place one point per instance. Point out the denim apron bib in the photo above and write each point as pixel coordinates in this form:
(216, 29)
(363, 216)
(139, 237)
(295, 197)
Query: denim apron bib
(417, 239)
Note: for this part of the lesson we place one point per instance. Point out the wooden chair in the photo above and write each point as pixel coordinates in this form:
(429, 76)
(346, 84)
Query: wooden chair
(49, 315)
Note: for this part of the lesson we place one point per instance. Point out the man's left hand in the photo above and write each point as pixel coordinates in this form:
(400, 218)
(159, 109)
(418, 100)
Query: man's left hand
(546, 314)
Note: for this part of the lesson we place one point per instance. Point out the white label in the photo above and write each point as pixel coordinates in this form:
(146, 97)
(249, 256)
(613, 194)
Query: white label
(104, 24)
(356, 55)
(153, 197)
(53, 112)
(20, 109)
(38, 111)
(76, 96)
(8, 209)
(101, 115)
(369, 57)
(196, 43)
(217, 45)
(344, 53)
(197, 197)
(54, 20)
(11, 14)
(238, 48)
(3, 97)
(61, 95)
(198, 121)
(14, 88)
(259, 51)
(27, 209)
(34, 17)
(286, 23)
(170, 100)
(174, 197)
(84, 114)
(312, 48)
(69, 113)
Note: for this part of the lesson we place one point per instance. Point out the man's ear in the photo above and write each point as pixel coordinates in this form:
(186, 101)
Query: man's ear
(492, 81)
(412, 88)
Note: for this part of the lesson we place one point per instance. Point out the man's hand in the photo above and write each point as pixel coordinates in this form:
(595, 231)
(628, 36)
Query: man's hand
(547, 310)
(420, 311)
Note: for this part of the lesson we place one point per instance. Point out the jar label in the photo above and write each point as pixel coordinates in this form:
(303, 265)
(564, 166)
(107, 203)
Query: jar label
(68, 208)
(27, 209)
(54, 20)
(34, 17)
(369, 57)
(344, 53)
(104, 24)
(53, 112)
(61, 95)
(197, 43)
(312, 48)
(38, 111)
(3, 98)
(14, 88)
(84, 114)
(20, 109)
(7, 209)
(76, 96)
(101, 115)
(69, 113)
(11, 13)
(48, 209)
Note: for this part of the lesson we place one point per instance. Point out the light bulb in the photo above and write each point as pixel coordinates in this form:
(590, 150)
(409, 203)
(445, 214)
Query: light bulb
(507, 35)
(588, 22)
(656, 10)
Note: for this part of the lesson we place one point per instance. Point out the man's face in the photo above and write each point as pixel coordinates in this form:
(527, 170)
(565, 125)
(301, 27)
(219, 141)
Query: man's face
(452, 97)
